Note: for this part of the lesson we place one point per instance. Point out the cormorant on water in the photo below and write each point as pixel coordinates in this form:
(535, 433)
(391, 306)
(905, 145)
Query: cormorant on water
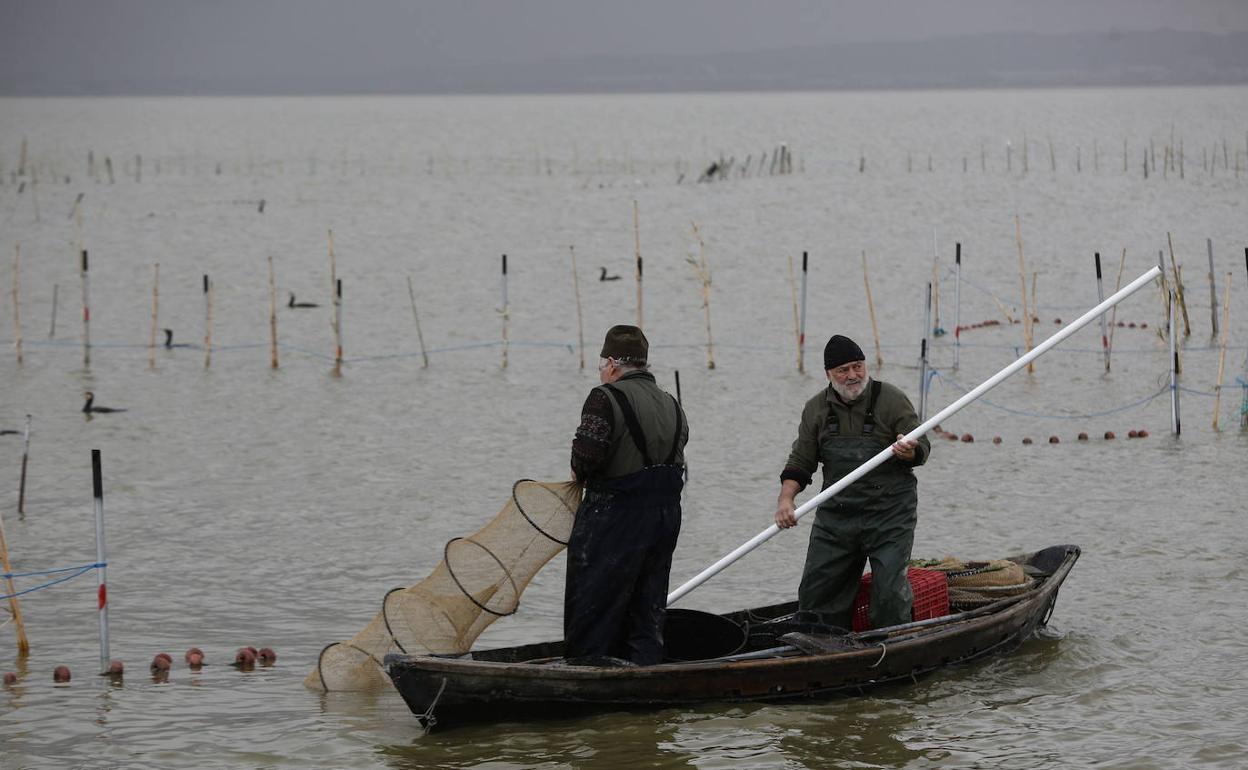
(604, 277)
(88, 407)
(7, 432)
(169, 340)
(292, 302)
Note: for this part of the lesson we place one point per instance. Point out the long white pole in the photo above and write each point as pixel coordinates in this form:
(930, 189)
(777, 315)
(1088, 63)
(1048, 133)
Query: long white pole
(1100, 295)
(801, 325)
(935, 420)
(98, 483)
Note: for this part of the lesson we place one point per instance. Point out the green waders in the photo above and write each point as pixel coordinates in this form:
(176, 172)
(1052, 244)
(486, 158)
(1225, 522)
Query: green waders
(873, 519)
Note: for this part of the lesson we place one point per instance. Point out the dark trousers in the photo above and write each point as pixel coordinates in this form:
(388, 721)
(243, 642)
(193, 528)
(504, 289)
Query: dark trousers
(619, 562)
(841, 542)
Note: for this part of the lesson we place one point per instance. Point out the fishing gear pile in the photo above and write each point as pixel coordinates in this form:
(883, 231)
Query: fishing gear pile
(479, 580)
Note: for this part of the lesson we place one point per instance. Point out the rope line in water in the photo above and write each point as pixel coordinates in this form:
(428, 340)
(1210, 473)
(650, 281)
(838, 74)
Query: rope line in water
(1133, 405)
(83, 569)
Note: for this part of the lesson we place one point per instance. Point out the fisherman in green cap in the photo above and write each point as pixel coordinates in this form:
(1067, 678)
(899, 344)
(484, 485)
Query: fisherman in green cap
(873, 519)
(628, 452)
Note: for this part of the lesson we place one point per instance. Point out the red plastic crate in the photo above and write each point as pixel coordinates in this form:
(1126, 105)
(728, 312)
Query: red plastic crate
(931, 597)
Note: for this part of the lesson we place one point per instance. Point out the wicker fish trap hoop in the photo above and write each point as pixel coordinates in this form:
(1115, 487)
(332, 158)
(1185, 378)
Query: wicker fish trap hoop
(976, 583)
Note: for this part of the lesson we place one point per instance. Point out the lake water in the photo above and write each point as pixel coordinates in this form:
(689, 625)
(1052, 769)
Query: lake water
(252, 506)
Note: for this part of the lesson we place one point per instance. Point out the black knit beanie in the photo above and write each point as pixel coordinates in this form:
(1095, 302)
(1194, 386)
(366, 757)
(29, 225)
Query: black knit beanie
(841, 350)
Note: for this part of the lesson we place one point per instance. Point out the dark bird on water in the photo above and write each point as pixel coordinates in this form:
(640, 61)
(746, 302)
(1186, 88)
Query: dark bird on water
(292, 302)
(7, 432)
(604, 277)
(169, 340)
(90, 407)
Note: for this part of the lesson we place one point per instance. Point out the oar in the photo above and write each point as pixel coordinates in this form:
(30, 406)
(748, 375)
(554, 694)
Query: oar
(935, 420)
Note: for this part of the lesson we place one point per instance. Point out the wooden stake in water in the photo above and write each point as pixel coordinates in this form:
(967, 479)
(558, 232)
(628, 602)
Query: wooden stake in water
(411, 293)
(52, 330)
(1100, 296)
(207, 322)
(97, 477)
(151, 340)
(801, 328)
(637, 252)
(21, 487)
(1174, 372)
(15, 608)
(703, 268)
(957, 302)
(272, 317)
(17, 314)
(86, 310)
(927, 325)
(338, 328)
(580, 323)
(1213, 289)
(1113, 315)
(1217, 389)
(506, 311)
(333, 292)
(875, 328)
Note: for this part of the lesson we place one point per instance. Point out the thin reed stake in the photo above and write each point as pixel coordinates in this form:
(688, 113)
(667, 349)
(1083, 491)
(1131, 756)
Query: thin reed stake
(52, 329)
(797, 326)
(411, 293)
(338, 327)
(580, 321)
(801, 329)
(506, 311)
(1022, 282)
(97, 476)
(15, 608)
(875, 329)
(1175, 425)
(17, 315)
(208, 293)
(151, 340)
(1217, 389)
(1178, 286)
(1213, 289)
(703, 269)
(637, 252)
(1113, 315)
(272, 317)
(333, 299)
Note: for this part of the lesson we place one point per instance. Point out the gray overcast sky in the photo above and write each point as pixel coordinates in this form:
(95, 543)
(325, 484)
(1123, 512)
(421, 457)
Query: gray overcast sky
(57, 41)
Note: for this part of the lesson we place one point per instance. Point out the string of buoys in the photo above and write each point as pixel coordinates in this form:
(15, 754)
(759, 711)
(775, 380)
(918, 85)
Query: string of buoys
(1056, 322)
(967, 438)
(246, 659)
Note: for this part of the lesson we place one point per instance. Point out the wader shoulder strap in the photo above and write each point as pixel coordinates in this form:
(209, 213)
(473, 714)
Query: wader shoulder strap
(630, 421)
(868, 422)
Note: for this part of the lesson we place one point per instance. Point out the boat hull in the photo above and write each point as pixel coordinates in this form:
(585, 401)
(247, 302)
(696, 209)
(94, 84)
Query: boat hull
(499, 684)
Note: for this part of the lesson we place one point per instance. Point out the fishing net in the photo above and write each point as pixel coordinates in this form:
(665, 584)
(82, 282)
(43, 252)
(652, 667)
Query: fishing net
(479, 580)
(976, 583)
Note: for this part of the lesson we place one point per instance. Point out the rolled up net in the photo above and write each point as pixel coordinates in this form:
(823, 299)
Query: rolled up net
(479, 580)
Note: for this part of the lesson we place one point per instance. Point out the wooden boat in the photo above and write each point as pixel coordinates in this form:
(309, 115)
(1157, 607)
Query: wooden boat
(778, 657)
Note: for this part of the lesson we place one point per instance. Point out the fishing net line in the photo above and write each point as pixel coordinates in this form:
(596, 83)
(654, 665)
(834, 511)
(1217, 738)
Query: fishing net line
(479, 580)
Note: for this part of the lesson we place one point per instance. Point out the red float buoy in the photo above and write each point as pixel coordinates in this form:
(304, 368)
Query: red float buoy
(1109, 435)
(1141, 433)
(267, 656)
(61, 674)
(996, 439)
(116, 668)
(968, 438)
(10, 678)
(193, 651)
(161, 664)
(245, 658)
(1083, 437)
(1054, 440)
(1026, 439)
(1132, 434)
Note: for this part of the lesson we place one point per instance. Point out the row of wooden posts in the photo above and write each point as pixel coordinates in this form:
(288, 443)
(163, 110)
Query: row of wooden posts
(780, 161)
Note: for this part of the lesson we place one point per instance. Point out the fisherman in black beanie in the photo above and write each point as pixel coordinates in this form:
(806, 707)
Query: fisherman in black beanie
(873, 519)
(628, 452)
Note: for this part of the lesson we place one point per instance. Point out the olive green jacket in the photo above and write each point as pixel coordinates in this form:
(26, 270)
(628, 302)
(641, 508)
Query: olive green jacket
(893, 415)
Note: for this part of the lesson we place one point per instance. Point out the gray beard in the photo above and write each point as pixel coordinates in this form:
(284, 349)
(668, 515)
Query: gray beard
(848, 394)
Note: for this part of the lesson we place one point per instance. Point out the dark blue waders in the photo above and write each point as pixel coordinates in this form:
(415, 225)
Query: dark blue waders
(620, 556)
(873, 519)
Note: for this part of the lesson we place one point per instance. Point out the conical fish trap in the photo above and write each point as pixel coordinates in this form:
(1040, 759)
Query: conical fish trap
(479, 580)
